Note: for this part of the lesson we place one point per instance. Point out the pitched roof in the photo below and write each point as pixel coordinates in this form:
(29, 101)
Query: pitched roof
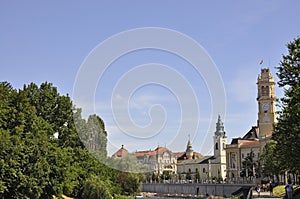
(201, 160)
(182, 155)
(252, 133)
(120, 153)
(250, 143)
(158, 150)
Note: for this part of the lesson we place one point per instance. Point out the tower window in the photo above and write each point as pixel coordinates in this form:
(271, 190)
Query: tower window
(265, 91)
(217, 146)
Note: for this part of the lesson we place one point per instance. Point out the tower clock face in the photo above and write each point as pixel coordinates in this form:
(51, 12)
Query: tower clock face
(265, 107)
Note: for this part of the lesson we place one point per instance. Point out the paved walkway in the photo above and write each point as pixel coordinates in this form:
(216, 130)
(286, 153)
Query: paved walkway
(264, 195)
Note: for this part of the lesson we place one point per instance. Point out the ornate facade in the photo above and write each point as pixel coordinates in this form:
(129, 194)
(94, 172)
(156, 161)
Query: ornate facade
(159, 160)
(208, 167)
(255, 139)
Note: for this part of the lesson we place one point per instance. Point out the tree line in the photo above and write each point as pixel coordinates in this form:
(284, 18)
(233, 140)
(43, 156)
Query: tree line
(43, 154)
(281, 155)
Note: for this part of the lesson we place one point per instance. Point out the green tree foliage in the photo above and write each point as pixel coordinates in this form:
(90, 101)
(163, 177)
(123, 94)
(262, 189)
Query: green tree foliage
(128, 163)
(269, 160)
(166, 175)
(130, 183)
(287, 129)
(97, 136)
(250, 166)
(179, 176)
(95, 188)
(188, 175)
(197, 177)
(36, 164)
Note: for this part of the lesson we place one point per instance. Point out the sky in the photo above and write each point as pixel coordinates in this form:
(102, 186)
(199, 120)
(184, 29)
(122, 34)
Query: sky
(150, 96)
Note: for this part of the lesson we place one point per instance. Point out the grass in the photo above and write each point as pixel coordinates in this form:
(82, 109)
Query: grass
(280, 191)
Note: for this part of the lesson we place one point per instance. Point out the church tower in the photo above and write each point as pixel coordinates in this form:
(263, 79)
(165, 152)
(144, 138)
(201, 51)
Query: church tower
(189, 150)
(219, 147)
(266, 104)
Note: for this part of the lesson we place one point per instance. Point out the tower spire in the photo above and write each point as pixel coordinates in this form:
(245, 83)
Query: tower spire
(219, 127)
(189, 149)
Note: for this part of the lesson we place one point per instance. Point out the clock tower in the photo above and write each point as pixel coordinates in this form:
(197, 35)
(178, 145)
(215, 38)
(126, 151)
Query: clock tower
(266, 104)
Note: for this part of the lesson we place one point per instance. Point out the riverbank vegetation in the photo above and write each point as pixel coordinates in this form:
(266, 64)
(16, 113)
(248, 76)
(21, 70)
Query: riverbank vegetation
(42, 155)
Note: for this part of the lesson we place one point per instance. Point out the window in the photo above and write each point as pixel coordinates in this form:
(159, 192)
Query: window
(217, 146)
(203, 170)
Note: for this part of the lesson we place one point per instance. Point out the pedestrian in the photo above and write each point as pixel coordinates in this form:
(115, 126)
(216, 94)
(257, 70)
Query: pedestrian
(264, 188)
(271, 188)
(257, 189)
(289, 189)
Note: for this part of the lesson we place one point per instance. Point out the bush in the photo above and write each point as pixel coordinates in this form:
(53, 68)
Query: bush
(95, 188)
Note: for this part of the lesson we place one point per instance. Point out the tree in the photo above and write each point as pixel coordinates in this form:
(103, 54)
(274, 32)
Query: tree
(130, 183)
(97, 136)
(287, 130)
(154, 177)
(250, 167)
(270, 161)
(188, 175)
(95, 188)
(179, 176)
(36, 164)
(197, 177)
(166, 175)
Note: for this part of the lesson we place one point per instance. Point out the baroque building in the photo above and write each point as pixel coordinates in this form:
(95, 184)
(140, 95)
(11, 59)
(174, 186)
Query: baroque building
(208, 167)
(159, 160)
(253, 142)
(188, 154)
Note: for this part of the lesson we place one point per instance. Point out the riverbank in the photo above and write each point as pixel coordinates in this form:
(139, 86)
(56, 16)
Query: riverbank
(179, 196)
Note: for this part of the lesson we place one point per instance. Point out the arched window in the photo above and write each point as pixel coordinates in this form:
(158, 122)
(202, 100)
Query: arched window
(217, 146)
(263, 91)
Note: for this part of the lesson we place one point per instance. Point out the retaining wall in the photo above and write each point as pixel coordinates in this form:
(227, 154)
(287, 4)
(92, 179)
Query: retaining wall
(193, 188)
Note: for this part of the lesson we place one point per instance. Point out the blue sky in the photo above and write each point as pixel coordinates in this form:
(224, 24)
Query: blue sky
(48, 41)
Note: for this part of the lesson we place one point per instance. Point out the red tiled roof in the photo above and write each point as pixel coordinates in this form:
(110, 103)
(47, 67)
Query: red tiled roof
(142, 153)
(120, 153)
(250, 143)
(179, 154)
(182, 155)
(158, 150)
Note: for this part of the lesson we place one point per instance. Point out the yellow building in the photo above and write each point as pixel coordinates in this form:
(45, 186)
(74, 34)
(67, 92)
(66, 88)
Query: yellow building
(255, 139)
(208, 167)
